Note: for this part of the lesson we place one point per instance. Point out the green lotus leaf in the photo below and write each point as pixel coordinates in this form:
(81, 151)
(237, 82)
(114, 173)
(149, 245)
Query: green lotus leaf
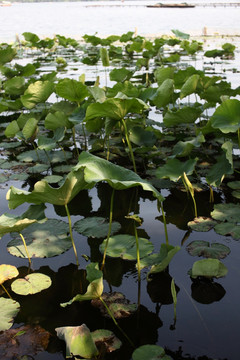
(72, 90)
(126, 88)
(30, 128)
(142, 137)
(7, 54)
(184, 148)
(104, 56)
(185, 115)
(218, 171)
(120, 75)
(94, 289)
(47, 144)
(180, 34)
(163, 73)
(12, 129)
(36, 93)
(43, 240)
(14, 86)
(234, 185)
(115, 108)
(97, 93)
(227, 116)
(7, 272)
(124, 246)
(228, 228)
(33, 156)
(53, 179)
(31, 284)
(20, 177)
(226, 212)
(12, 223)
(164, 94)
(106, 337)
(205, 249)
(190, 86)
(202, 223)
(43, 192)
(31, 37)
(8, 310)
(174, 169)
(57, 120)
(150, 352)
(208, 268)
(96, 227)
(79, 341)
(161, 260)
(38, 169)
(97, 169)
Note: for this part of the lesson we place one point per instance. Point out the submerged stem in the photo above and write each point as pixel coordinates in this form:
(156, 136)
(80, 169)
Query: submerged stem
(71, 235)
(74, 140)
(129, 145)
(115, 322)
(164, 222)
(25, 247)
(109, 229)
(6, 292)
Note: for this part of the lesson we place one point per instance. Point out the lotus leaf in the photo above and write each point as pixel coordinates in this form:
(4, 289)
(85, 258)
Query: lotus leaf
(189, 86)
(53, 179)
(57, 120)
(185, 115)
(107, 339)
(226, 212)
(36, 93)
(72, 90)
(30, 129)
(120, 75)
(208, 268)
(202, 223)
(124, 246)
(96, 227)
(174, 169)
(14, 86)
(184, 148)
(7, 272)
(234, 185)
(31, 284)
(79, 341)
(164, 94)
(228, 228)
(150, 352)
(142, 137)
(180, 34)
(163, 73)
(8, 310)
(43, 240)
(227, 116)
(205, 249)
(12, 129)
(97, 169)
(7, 54)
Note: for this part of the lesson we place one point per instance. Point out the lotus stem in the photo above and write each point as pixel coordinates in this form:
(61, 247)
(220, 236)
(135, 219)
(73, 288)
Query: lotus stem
(109, 229)
(6, 292)
(25, 247)
(239, 138)
(211, 197)
(71, 235)
(129, 145)
(174, 296)
(138, 263)
(64, 153)
(164, 222)
(74, 140)
(115, 322)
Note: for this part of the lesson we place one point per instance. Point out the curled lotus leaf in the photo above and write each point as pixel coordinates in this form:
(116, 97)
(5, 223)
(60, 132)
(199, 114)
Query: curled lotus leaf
(8, 310)
(79, 341)
(124, 246)
(204, 248)
(96, 227)
(31, 284)
(119, 306)
(159, 261)
(43, 240)
(107, 339)
(208, 268)
(228, 228)
(226, 212)
(7, 272)
(202, 223)
(150, 352)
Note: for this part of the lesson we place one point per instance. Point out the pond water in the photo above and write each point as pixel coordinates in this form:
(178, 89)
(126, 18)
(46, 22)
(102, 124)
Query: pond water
(78, 18)
(208, 317)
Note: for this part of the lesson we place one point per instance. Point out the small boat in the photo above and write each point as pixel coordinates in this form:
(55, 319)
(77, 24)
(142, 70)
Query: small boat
(5, 3)
(180, 5)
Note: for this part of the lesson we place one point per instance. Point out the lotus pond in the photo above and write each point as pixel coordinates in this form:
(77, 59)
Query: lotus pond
(120, 188)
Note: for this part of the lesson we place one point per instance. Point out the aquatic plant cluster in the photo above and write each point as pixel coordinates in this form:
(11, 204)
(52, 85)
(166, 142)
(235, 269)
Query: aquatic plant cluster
(139, 121)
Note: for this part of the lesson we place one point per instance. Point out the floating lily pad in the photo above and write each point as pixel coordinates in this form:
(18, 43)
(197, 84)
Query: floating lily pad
(107, 339)
(208, 268)
(150, 352)
(96, 227)
(202, 223)
(16, 343)
(31, 284)
(117, 303)
(226, 212)
(38, 168)
(53, 179)
(8, 310)
(7, 272)
(235, 185)
(79, 341)
(228, 228)
(124, 246)
(204, 248)
(43, 240)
